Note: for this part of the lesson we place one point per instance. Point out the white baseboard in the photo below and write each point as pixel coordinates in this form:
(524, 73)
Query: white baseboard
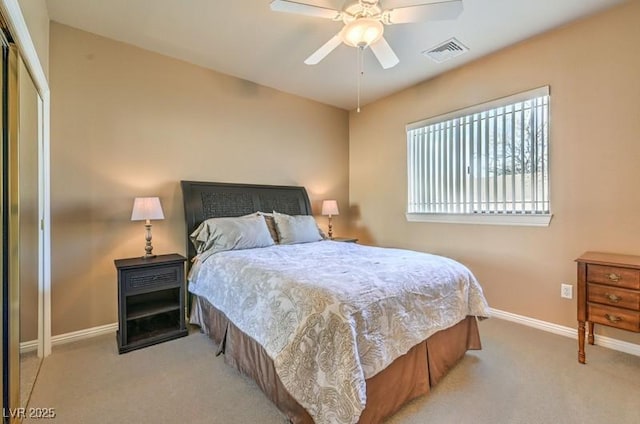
(608, 342)
(74, 336)
(84, 334)
(30, 346)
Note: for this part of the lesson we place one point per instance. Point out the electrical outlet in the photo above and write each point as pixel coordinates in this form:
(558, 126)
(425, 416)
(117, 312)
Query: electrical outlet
(566, 291)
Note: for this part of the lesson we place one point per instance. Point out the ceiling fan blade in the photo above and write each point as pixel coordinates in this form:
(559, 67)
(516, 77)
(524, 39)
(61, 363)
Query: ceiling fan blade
(444, 10)
(384, 53)
(323, 51)
(304, 9)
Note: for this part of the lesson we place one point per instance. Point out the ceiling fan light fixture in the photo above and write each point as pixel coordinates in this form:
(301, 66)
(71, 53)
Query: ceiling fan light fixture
(362, 32)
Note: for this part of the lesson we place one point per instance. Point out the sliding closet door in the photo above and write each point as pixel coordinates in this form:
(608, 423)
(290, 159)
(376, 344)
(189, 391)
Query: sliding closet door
(30, 231)
(4, 247)
(10, 211)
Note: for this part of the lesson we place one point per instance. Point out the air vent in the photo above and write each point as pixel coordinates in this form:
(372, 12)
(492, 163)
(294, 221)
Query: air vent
(445, 51)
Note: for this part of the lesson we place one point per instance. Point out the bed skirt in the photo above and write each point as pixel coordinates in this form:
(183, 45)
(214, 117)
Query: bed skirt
(411, 375)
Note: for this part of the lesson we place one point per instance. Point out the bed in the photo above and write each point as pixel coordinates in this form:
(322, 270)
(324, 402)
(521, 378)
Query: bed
(331, 332)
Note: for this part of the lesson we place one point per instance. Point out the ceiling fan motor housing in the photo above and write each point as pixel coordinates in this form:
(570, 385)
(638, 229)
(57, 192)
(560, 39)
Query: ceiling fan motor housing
(361, 9)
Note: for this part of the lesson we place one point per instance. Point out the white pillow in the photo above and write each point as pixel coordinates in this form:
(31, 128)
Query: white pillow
(219, 234)
(296, 228)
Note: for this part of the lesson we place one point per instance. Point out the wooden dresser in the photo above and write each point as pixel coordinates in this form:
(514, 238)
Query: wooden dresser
(608, 294)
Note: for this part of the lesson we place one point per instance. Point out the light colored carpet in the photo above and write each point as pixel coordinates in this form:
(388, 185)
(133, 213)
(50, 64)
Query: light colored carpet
(522, 375)
(29, 367)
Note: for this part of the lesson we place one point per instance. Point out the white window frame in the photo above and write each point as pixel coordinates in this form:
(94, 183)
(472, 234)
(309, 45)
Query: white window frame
(453, 182)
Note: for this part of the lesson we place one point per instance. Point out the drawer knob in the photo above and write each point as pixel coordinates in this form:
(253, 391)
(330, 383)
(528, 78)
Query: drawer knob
(614, 277)
(612, 318)
(613, 298)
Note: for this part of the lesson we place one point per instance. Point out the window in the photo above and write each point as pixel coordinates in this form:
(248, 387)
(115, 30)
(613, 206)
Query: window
(484, 164)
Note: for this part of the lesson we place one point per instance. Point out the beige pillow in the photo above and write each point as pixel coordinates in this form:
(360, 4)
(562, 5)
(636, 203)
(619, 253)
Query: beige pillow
(271, 225)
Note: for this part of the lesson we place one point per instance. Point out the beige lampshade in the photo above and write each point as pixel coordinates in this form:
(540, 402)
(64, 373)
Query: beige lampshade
(146, 208)
(330, 207)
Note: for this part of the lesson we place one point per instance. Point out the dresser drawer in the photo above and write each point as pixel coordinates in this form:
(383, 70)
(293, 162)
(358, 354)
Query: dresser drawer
(152, 278)
(614, 276)
(614, 317)
(614, 296)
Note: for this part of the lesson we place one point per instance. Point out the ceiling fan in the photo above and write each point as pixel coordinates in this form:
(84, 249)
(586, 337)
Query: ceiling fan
(364, 22)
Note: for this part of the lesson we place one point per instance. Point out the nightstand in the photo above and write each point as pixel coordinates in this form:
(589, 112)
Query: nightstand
(151, 301)
(345, 239)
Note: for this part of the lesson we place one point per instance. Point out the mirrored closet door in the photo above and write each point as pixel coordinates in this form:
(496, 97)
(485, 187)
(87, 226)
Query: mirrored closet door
(21, 208)
(29, 231)
(10, 230)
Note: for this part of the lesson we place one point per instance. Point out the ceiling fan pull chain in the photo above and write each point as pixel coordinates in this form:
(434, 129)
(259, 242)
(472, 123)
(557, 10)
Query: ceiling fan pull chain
(358, 77)
(360, 72)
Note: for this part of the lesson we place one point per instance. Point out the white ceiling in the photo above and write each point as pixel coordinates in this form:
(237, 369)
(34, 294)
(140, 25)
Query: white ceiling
(244, 38)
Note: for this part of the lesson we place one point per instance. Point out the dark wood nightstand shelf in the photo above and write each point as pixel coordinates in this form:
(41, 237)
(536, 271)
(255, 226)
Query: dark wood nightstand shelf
(151, 301)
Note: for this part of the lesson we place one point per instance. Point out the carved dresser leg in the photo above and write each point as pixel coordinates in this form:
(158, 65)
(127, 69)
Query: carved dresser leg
(581, 357)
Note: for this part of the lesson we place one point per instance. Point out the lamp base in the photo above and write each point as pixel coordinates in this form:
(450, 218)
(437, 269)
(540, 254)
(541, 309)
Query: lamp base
(148, 248)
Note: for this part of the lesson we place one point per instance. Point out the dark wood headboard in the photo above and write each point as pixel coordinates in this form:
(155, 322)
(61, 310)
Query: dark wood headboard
(204, 200)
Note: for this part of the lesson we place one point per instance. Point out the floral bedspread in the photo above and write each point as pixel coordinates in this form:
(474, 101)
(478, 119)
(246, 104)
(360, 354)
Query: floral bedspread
(333, 314)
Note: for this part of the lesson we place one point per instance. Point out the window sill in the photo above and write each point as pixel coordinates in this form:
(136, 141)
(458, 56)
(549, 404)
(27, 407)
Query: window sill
(537, 220)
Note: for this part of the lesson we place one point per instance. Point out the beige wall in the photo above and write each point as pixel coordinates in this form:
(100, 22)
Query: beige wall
(593, 69)
(127, 122)
(36, 15)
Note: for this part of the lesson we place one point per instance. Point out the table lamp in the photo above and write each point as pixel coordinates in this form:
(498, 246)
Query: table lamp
(330, 207)
(146, 209)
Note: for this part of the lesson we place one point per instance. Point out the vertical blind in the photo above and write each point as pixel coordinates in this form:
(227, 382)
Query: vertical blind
(488, 159)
